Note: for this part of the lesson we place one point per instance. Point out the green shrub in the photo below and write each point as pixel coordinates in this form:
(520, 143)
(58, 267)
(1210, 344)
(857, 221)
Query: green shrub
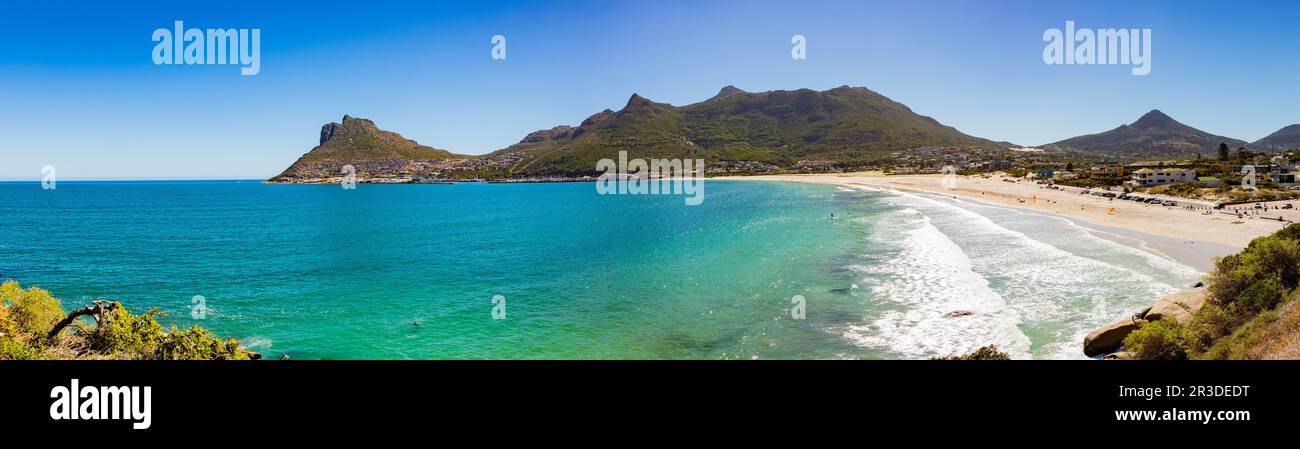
(989, 352)
(197, 343)
(7, 326)
(1261, 296)
(32, 312)
(1277, 257)
(125, 335)
(26, 317)
(1290, 232)
(13, 350)
(1235, 345)
(1228, 279)
(1211, 323)
(1158, 340)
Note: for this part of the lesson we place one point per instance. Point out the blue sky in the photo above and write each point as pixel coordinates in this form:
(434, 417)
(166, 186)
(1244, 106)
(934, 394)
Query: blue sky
(78, 88)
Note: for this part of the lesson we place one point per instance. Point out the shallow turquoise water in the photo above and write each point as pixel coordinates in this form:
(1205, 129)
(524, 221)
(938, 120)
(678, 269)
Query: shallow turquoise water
(410, 271)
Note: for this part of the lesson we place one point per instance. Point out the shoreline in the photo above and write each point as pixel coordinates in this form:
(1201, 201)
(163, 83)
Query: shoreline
(1185, 236)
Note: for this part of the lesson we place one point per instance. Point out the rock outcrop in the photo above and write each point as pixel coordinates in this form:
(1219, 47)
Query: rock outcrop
(1108, 339)
(1180, 306)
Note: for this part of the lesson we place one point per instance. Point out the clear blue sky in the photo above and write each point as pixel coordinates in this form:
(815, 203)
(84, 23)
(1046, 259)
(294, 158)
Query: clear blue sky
(78, 88)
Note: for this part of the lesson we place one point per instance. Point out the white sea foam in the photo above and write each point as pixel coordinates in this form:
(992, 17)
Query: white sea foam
(1055, 285)
(257, 343)
(929, 278)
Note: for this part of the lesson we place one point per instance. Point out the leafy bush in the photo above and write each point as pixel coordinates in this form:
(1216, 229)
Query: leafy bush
(1228, 279)
(1260, 276)
(27, 316)
(1275, 256)
(1261, 296)
(7, 326)
(1158, 340)
(989, 352)
(13, 350)
(197, 343)
(124, 335)
(1209, 324)
(1245, 291)
(1234, 346)
(31, 312)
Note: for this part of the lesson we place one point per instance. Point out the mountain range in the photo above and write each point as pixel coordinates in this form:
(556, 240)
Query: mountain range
(1153, 135)
(845, 124)
(1156, 134)
(1287, 138)
(777, 129)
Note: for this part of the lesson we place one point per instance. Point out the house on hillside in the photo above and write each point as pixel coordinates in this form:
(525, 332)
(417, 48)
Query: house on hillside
(1148, 177)
(1282, 171)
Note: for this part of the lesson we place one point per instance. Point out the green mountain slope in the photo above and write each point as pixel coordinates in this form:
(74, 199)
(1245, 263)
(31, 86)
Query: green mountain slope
(1287, 138)
(844, 124)
(1153, 135)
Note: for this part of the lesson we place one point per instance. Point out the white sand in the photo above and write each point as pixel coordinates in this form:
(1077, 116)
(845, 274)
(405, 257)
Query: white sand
(1188, 226)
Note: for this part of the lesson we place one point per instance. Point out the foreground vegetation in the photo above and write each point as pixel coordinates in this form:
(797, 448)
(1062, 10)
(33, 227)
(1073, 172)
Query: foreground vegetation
(1250, 312)
(989, 352)
(34, 326)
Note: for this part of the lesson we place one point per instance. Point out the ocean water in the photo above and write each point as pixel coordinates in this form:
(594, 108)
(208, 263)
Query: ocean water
(410, 271)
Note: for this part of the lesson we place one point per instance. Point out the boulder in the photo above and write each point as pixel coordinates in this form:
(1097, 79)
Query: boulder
(1179, 306)
(1108, 339)
(1122, 355)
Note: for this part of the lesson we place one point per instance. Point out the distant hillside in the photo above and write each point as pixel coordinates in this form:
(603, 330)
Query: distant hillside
(844, 124)
(1287, 138)
(1155, 134)
(358, 142)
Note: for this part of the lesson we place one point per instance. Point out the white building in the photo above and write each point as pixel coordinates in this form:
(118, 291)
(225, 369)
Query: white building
(1150, 178)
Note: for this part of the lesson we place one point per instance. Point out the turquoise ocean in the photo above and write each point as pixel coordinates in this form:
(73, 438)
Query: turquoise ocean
(410, 271)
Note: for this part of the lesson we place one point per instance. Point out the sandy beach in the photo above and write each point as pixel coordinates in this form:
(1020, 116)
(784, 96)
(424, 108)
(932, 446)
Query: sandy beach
(1181, 232)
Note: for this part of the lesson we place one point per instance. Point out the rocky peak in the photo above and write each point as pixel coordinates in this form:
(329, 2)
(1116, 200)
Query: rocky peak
(328, 131)
(348, 126)
(544, 135)
(1154, 119)
(637, 100)
(728, 91)
(598, 117)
